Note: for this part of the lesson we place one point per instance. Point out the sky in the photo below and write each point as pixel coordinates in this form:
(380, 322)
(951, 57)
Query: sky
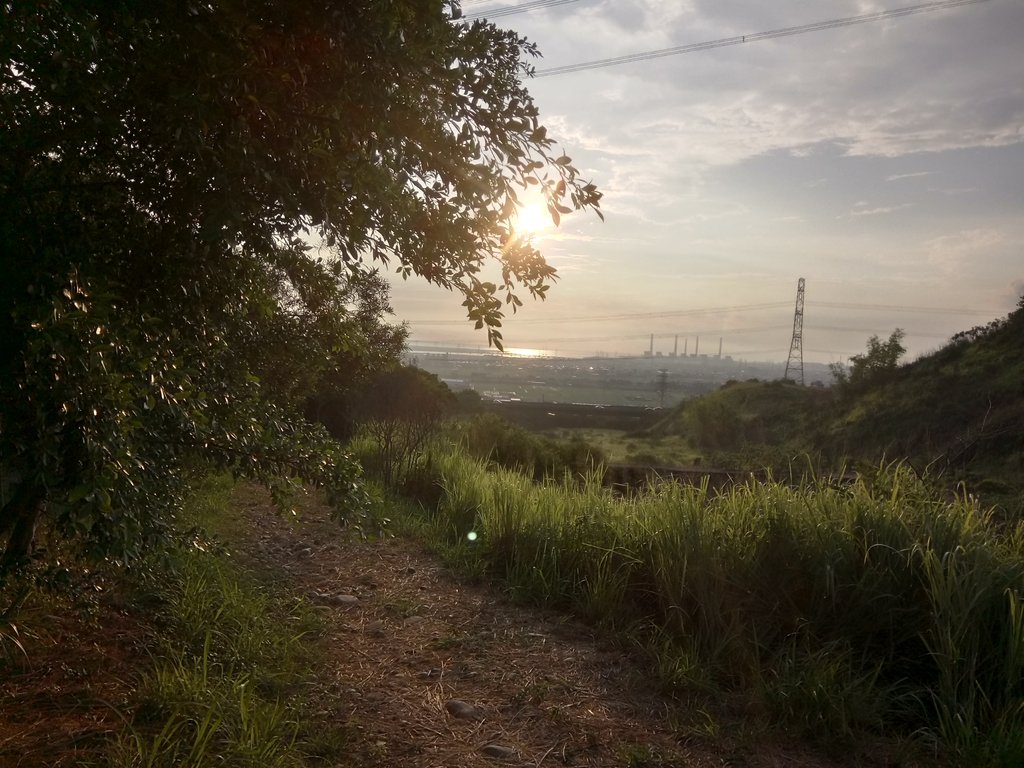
(882, 162)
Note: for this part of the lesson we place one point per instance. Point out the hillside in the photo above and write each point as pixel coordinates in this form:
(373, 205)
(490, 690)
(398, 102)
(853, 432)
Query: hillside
(959, 413)
(960, 409)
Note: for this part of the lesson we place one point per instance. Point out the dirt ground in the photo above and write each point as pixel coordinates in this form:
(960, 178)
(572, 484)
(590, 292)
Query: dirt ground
(423, 671)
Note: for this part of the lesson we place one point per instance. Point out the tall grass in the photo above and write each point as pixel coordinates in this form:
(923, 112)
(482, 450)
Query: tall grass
(877, 605)
(226, 666)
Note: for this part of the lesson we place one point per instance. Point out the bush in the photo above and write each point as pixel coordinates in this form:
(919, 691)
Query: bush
(492, 438)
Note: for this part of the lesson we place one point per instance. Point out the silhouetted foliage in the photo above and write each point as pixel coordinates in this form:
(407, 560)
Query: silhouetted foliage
(165, 167)
(401, 410)
(375, 346)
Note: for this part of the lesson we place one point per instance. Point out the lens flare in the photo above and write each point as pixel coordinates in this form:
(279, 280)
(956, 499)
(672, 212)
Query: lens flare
(532, 220)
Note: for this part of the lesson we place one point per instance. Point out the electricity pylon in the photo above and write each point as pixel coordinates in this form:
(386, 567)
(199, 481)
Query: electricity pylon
(796, 346)
(662, 385)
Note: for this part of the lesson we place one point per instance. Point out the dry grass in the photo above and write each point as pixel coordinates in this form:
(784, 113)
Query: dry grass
(65, 697)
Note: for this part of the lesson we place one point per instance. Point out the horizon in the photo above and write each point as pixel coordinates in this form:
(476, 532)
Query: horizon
(881, 162)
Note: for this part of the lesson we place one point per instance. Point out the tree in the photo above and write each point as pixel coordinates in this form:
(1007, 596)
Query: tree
(187, 190)
(374, 346)
(875, 365)
(400, 410)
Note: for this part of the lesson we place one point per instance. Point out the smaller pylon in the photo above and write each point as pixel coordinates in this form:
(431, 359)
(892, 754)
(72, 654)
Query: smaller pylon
(796, 346)
(662, 385)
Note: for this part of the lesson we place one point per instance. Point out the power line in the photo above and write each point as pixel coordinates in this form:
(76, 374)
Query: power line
(898, 308)
(724, 310)
(514, 9)
(740, 332)
(756, 37)
(625, 315)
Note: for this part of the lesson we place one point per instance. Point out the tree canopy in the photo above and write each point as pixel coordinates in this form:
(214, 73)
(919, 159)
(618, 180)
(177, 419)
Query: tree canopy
(879, 360)
(191, 194)
(401, 410)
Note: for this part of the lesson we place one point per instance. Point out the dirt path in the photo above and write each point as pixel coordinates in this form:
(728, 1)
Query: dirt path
(407, 640)
(406, 643)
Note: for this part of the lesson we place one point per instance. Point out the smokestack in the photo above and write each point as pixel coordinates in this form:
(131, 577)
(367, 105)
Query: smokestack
(719, 347)
(652, 345)
(686, 346)
(696, 347)
(675, 349)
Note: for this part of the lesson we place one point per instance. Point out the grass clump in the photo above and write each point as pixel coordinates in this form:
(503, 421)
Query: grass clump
(227, 668)
(876, 606)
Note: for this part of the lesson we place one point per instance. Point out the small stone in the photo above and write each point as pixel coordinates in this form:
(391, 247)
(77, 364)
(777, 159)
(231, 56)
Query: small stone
(498, 751)
(414, 620)
(345, 601)
(463, 710)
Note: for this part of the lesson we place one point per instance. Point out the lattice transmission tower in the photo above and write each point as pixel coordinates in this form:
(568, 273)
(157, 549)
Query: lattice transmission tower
(796, 346)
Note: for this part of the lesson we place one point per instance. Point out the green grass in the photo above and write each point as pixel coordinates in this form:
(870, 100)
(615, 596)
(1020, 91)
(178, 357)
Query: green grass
(958, 411)
(878, 607)
(230, 664)
(621, 447)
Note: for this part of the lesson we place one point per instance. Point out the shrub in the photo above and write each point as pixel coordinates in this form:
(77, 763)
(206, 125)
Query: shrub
(491, 438)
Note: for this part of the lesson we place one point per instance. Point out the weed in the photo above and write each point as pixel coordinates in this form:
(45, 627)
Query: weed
(10, 643)
(534, 693)
(400, 608)
(646, 756)
(215, 693)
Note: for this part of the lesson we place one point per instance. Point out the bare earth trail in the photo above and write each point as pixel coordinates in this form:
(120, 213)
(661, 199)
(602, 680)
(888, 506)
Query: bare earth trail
(406, 639)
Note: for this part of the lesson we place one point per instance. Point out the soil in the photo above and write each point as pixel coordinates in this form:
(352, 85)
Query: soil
(422, 669)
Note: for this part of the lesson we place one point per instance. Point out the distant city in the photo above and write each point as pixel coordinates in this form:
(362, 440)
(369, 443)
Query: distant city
(652, 378)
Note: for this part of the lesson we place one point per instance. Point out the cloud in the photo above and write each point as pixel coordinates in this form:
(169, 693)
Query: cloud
(953, 190)
(560, 237)
(961, 253)
(884, 89)
(899, 176)
(1017, 291)
(730, 172)
(861, 209)
(965, 241)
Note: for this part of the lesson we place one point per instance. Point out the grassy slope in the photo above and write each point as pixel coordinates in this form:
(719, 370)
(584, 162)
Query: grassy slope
(959, 411)
(963, 406)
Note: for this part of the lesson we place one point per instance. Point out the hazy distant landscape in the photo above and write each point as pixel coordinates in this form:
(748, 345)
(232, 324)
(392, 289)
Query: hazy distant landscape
(653, 382)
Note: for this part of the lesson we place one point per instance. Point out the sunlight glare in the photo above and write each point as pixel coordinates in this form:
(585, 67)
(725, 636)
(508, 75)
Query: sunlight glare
(532, 220)
(527, 352)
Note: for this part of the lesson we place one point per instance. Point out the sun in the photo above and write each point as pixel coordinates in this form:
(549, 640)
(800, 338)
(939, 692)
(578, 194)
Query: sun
(531, 220)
